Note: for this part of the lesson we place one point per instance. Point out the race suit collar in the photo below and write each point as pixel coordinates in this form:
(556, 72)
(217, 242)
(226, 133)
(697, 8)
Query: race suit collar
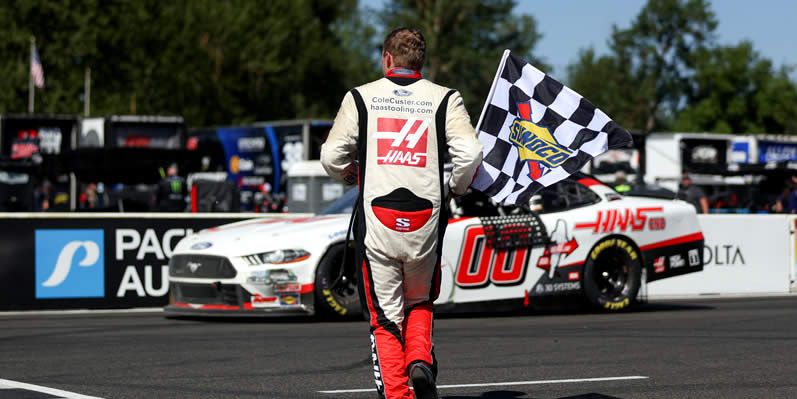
(403, 76)
(403, 73)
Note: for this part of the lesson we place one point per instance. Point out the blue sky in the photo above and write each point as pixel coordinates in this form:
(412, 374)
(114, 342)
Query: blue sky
(571, 25)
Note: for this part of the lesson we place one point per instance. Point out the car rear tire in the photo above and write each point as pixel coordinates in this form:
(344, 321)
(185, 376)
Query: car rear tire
(336, 292)
(612, 274)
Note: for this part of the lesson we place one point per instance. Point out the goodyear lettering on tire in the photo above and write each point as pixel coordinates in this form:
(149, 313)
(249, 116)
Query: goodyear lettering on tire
(333, 303)
(611, 243)
(617, 305)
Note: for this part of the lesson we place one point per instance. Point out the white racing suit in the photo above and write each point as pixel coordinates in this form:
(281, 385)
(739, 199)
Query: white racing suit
(399, 128)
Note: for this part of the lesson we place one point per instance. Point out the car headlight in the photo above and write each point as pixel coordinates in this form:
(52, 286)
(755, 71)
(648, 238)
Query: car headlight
(280, 256)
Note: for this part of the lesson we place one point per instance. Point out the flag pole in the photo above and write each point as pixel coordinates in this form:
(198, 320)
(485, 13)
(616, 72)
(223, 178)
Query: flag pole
(492, 88)
(30, 75)
(87, 92)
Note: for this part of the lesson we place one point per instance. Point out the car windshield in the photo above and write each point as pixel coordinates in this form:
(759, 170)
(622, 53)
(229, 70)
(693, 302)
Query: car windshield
(344, 204)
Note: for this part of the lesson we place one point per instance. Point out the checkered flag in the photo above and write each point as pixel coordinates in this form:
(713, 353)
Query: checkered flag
(536, 132)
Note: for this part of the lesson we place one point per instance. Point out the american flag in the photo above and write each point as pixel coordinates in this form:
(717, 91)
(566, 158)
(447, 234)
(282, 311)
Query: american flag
(36, 71)
(536, 132)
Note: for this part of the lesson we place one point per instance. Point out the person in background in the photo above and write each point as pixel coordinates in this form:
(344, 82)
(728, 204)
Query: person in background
(89, 199)
(693, 194)
(266, 202)
(621, 182)
(43, 197)
(171, 191)
(791, 198)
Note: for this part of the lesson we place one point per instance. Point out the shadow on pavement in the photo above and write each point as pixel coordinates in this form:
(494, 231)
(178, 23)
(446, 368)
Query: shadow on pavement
(491, 309)
(522, 395)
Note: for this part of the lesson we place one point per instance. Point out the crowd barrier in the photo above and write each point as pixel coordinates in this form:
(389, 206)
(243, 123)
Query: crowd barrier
(93, 261)
(110, 261)
(743, 255)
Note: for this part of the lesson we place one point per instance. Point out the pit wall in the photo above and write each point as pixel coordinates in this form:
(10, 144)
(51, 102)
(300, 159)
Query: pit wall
(743, 255)
(107, 260)
(121, 260)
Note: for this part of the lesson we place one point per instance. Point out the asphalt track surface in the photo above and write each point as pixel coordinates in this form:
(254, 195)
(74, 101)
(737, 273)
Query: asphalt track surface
(699, 348)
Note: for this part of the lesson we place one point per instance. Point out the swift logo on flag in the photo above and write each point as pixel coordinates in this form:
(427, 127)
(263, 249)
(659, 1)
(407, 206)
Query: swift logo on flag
(535, 143)
(401, 141)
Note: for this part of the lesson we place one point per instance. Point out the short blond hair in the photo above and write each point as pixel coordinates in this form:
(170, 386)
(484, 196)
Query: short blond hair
(407, 46)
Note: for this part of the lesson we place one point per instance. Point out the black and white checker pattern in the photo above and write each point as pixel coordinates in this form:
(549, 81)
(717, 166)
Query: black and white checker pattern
(573, 120)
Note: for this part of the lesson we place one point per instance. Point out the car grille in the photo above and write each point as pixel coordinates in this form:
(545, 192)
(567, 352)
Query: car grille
(206, 294)
(201, 266)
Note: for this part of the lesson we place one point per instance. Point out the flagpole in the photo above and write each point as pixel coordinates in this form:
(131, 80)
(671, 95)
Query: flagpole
(30, 74)
(492, 88)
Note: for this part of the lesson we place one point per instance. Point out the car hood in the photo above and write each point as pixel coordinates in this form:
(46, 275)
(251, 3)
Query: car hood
(259, 235)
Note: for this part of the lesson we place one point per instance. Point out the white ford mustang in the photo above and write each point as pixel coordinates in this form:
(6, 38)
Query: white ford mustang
(578, 239)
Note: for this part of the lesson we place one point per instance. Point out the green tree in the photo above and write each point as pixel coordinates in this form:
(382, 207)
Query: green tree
(735, 90)
(215, 63)
(651, 63)
(609, 84)
(465, 41)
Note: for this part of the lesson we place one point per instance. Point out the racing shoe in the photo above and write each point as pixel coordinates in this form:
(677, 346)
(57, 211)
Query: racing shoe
(423, 382)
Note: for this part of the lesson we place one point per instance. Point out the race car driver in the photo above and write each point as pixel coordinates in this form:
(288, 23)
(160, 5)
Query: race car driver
(400, 129)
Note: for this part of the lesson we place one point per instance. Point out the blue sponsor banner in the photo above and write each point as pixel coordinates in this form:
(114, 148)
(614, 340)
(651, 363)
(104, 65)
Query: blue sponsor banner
(770, 151)
(250, 154)
(740, 152)
(70, 263)
(53, 262)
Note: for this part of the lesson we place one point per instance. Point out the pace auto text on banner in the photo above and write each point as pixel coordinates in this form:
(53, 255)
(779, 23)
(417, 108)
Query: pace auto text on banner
(536, 132)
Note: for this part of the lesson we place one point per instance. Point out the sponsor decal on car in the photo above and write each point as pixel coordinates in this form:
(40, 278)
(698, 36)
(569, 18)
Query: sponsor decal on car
(574, 276)
(657, 224)
(287, 287)
(621, 220)
(289, 299)
(658, 265)
(259, 301)
(548, 288)
(677, 261)
(562, 245)
(694, 257)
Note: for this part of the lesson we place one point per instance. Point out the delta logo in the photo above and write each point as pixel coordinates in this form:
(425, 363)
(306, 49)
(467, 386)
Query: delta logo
(401, 141)
(536, 144)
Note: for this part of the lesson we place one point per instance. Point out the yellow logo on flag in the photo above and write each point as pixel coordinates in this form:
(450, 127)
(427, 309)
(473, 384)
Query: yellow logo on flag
(536, 143)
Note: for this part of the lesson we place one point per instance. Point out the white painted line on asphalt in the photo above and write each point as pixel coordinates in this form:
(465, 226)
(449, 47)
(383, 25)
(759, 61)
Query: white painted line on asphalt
(8, 384)
(497, 384)
(80, 311)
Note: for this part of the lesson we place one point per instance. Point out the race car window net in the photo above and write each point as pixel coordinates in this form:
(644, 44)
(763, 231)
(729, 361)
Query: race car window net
(514, 231)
